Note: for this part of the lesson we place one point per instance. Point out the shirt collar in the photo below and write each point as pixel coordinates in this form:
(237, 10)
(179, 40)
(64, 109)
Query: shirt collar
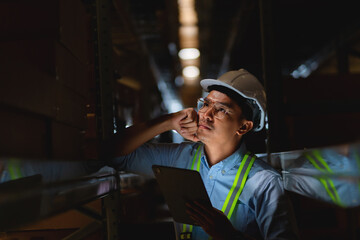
(235, 158)
(229, 162)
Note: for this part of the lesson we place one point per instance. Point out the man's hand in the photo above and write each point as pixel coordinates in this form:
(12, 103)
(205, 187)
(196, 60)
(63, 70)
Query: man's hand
(213, 221)
(185, 122)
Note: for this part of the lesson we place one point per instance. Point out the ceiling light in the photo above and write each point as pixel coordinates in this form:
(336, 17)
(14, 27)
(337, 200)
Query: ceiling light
(187, 17)
(189, 53)
(191, 72)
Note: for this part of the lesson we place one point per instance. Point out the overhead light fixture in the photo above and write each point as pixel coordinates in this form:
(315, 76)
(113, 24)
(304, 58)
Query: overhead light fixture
(188, 42)
(191, 72)
(188, 16)
(189, 53)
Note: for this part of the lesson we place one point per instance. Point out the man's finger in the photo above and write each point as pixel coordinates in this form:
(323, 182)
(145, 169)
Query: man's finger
(191, 130)
(208, 210)
(189, 124)
(204, 213)
(187, 120)
(198, 217)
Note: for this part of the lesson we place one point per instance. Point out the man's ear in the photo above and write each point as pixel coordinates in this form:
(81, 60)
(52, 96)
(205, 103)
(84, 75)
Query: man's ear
(245, 127)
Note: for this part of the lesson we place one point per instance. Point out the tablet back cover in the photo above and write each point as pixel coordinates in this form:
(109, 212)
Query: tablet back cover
(179, 186)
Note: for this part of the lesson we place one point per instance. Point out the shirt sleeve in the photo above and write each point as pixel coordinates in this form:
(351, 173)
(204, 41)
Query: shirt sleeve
(274, 213)
(141, 160)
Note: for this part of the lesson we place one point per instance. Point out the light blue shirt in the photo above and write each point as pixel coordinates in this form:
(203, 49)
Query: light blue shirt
(302, 177)
(262, 209)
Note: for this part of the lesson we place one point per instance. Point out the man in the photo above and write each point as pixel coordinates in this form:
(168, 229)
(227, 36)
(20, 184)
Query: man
(234, 106)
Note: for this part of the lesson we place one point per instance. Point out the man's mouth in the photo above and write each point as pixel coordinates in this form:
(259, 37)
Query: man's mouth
(204, 126)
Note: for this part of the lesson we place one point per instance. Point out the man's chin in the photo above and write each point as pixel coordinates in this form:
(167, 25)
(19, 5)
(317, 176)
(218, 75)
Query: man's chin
(202, 134)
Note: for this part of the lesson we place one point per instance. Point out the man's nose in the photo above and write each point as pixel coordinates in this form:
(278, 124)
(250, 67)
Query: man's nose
(209, 113)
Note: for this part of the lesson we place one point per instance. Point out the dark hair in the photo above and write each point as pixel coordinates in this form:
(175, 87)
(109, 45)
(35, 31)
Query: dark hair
(246, 107)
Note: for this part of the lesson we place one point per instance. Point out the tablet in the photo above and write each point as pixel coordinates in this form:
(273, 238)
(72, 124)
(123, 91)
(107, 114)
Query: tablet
(179, 186)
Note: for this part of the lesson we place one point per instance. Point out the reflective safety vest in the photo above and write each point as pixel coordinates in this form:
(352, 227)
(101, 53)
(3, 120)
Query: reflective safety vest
(234, 193)
(319, 163)
(14, 169)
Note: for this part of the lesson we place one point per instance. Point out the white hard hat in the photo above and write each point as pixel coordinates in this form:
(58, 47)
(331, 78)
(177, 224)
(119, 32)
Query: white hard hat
(248, 86)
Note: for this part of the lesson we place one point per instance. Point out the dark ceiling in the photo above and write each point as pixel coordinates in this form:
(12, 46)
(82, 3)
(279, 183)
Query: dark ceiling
(230, 36)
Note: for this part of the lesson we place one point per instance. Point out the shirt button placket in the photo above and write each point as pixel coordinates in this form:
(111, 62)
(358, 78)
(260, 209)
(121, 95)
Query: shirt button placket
(211, 178)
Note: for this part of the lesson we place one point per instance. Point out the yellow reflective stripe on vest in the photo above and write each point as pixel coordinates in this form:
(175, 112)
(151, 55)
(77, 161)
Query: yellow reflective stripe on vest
(186, 231)
(331, 190)
(236, 189)
(328, 184)
(319, 157)
(238, 185)
(198, 160)
(14, 169)
(186, 228)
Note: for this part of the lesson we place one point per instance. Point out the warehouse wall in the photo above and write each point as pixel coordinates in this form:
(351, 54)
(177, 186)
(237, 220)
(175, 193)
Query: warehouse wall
(322, 110)
(46, 78)
(47, 93)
